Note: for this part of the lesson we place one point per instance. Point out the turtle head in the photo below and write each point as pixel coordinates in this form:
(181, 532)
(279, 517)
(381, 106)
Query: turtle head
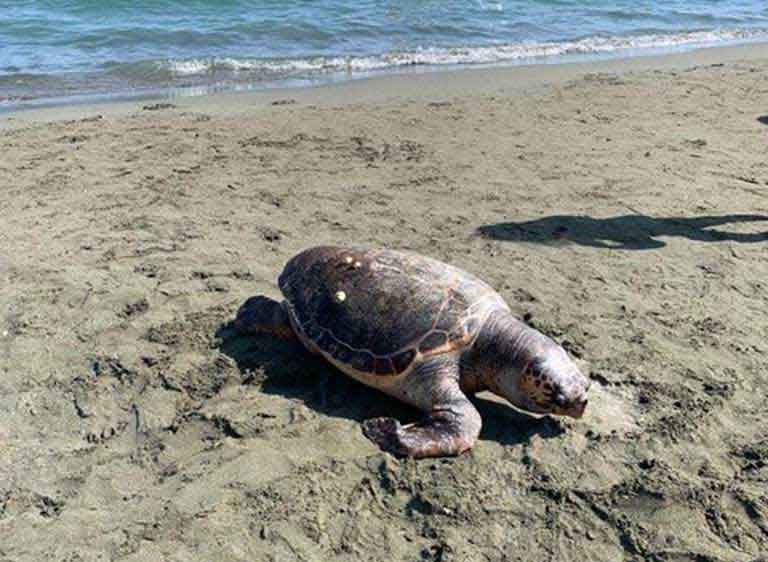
(552, 384)
(545, 381)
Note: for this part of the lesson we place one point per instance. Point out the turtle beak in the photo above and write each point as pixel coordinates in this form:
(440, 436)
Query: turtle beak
(573, 408)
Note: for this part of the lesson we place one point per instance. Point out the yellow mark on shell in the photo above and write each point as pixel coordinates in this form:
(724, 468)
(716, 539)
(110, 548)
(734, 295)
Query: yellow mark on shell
(349, 259)
(358, 264)
(341, 296)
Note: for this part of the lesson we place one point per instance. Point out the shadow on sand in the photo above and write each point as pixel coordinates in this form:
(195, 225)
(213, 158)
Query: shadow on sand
(763, 119)
(627, 232)
(287, 369)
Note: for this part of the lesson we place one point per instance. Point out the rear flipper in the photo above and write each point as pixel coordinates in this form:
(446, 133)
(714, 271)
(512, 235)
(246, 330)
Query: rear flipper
(262, 314)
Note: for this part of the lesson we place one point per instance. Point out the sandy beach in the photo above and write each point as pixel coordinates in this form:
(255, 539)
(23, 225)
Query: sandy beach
(620, 206)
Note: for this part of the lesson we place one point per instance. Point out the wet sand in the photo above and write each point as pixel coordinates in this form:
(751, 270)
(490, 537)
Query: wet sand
(621, 206)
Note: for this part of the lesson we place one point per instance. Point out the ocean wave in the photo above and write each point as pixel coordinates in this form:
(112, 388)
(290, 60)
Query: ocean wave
(210, 73)
(436, 56)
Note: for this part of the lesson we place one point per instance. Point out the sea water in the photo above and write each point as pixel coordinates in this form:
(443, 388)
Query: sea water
(70, 49)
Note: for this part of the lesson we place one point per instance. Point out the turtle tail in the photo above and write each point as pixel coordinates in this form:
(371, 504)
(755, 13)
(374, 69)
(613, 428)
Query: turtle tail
(261, 314)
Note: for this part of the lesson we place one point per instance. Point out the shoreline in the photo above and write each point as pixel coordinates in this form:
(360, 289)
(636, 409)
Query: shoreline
(417, 85)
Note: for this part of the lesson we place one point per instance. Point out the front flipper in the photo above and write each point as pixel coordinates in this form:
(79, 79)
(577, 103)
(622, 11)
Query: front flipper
(450, 428)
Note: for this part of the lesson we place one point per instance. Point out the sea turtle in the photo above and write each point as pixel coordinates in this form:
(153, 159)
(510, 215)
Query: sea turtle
(422, 331)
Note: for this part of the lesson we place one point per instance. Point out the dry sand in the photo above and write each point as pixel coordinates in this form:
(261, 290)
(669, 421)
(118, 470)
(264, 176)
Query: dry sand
(621, 205)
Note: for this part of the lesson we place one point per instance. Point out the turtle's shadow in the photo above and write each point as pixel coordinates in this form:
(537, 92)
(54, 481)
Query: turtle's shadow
(626, 232)
(287, 369)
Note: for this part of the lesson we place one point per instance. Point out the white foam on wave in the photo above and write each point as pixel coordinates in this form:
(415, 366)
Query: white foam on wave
(192, 67)
(435, 56)
(187, 67)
